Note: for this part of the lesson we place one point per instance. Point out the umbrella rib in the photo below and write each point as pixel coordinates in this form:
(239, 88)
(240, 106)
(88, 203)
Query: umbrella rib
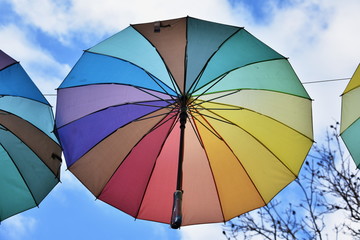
(196, 82)
(215, 98)
(15, 62)
(174, 83)
(162, 99)
(145, 118)
(196, 131)
(21, 175)
(103, 109)
(213, 132)
(222, 76)
(161, 86)
(213, 84)
(218, 119)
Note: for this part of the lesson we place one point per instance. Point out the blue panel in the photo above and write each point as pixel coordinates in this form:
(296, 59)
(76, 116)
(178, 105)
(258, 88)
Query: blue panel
(131, 46)
(15, 82)
(94, 69)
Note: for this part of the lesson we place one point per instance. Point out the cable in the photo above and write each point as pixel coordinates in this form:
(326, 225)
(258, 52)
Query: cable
(312, 82)
(328, 80)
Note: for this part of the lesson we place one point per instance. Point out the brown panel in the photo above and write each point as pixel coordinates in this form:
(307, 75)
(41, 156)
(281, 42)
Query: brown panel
(169, 38)
(96, 167)
(41, 144)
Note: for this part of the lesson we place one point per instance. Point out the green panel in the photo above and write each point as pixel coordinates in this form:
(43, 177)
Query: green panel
(131, 46)
(14, 197)
(36, 174)
(240, 50)
(351, 137)
(276, 75)
(204, 38)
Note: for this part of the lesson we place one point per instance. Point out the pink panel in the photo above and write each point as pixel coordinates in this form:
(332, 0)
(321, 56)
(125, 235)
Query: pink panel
(200, 198)
(158, 200)
(126, 188)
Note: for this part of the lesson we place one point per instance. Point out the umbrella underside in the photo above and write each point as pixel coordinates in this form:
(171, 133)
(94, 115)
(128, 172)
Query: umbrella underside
(247, 133)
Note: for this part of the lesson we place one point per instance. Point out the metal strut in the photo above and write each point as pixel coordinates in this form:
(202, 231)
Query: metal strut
(176, 217)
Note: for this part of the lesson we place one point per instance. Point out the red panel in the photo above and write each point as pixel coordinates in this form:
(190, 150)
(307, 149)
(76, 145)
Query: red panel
(126, 188)
(157, 204)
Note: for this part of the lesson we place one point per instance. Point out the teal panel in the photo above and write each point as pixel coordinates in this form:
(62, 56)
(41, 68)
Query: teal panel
(39, 179)
(204, 38)
(351, 137)
(14, 197)
(131, 46)
(240, 50)
(37, 113)
(15, 82)
(275, 75)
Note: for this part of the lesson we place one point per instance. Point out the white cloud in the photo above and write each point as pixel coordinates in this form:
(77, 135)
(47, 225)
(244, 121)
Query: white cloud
(82, 19)
(203, 231)
(16, 227)
(37, 62)
(321, 41)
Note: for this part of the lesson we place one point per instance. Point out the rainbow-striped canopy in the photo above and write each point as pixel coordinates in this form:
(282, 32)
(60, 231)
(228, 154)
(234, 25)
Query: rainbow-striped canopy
(184, 105)
(30, 156)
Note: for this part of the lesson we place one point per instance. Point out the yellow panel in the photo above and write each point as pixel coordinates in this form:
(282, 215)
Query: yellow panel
(236, 191)
(271, 153)
(289, 146)
(291, 110)
(354, 82)
(350, 110)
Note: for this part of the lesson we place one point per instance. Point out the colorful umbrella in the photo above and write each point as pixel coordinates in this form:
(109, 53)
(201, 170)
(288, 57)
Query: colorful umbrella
(183, 109)
(29, 152)
(350, 113)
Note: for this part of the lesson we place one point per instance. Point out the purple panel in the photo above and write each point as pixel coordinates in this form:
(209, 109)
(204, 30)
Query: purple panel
(5, 60)
(80, 136)
(74, 103)
(126, 188)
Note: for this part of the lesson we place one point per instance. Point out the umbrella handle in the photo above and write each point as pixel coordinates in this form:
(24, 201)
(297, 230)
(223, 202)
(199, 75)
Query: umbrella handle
(176, 217)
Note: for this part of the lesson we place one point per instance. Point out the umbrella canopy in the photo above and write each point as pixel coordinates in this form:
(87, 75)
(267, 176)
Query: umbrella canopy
(350, 113)
(29, 153)
(185, 108)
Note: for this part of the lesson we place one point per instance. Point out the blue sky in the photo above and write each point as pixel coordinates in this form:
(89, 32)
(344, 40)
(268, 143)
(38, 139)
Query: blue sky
(320, 37)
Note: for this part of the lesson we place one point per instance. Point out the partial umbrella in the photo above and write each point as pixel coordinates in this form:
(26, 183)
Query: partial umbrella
(30, 155)
(350, 114)
(183, 121)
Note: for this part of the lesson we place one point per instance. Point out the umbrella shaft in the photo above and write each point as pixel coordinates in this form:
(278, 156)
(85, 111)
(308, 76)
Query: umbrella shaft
(183, 117)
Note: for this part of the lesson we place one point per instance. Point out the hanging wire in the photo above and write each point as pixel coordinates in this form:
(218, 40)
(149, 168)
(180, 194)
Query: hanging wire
(328, 80)
(311, 82)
